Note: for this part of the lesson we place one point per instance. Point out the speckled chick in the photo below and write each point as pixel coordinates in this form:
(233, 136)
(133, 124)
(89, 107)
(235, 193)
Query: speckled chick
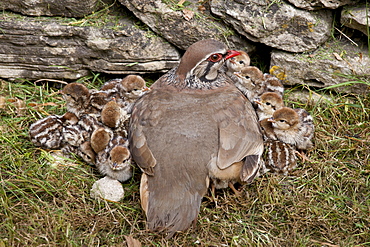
(47, 132)
(279, 157)
(77, 97)
(115, 160)
(293, 126)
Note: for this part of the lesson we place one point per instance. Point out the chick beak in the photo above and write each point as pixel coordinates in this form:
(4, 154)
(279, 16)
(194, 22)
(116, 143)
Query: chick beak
(258, 102)
(114, 165)
(238, 74)
(231, 53)
(272, 120)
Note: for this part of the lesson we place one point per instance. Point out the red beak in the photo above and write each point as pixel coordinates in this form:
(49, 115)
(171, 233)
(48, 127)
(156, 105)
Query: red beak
(231, 53)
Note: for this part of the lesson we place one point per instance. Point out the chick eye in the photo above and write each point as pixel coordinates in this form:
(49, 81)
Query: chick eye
(282, 120)
(215, 57)
(268, 103)
(241, 62)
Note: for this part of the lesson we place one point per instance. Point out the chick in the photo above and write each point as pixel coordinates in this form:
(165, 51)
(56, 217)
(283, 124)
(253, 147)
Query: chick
(100, 139)
(130, 89)
(237, 63)
(280, 157)
(250, 82)
(295, 127)
(47, 132)
(115, 160)
(267, 104)
(77, 98)
(112, 115)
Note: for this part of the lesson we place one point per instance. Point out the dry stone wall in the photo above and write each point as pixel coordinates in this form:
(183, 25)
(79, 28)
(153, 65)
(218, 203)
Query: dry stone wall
(316, 42)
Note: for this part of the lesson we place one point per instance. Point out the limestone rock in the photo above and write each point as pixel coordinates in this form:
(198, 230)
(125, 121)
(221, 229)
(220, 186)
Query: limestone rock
(183, 26)
(279, 25)
(108, 189)
(34, 48)
(68, 8)
(335, 62)
(321, 4)
(355, 17)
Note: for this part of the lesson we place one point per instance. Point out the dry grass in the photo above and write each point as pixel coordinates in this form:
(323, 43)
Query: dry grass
(323, 203)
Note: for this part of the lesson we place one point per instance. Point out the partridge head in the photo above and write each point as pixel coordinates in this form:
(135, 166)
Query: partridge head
(237, 63)
(100, 139)
(131, 88)
(77, 97)
(191, 126)
(293, 126)
(115, 160)
(267, 104)
(250, 82)
(112, 115)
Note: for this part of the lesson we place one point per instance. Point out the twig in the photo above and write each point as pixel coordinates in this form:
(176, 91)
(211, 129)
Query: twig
(52, 80)
(346, 36)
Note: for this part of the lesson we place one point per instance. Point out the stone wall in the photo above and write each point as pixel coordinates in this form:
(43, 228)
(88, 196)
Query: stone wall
(317, 43)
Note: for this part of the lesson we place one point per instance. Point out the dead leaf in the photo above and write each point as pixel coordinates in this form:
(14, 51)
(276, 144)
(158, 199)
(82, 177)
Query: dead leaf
(187, 14)
(337, 56)
(131, 242)
(2, 102)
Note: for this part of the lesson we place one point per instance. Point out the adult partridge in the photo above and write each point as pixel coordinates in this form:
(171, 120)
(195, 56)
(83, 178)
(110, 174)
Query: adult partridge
(193, 125)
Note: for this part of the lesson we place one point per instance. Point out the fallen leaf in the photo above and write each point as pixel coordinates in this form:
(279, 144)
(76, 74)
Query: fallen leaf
(188, 14)
(337, 56)
(131, 242)
(2, 102)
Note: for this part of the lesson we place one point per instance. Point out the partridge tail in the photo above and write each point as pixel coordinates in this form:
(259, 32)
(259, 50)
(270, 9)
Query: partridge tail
(251, 168)
(174, 205)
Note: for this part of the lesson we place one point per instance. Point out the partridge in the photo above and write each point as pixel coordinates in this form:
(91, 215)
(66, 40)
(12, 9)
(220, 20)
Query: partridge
(112, 115)
(295, 127)
(253, 83)
(115, 160)
(100, 139)
(47, 132)
(237, 63)
(77, 97)
(279, 157)
(272, 84)
(130, 89)
(267, 129)
(267, 104)
(193, 125)
(250, 82)
(97, 101)
(74, 135)
(84, 151)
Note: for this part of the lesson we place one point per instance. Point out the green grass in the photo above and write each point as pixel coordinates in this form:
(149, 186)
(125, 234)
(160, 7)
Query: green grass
(322, 203)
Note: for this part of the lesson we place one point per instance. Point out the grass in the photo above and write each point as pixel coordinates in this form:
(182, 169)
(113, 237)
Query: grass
(322, 203)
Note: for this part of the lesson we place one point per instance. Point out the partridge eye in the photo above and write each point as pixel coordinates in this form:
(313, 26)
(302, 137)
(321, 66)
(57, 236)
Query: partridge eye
(268, 103)
(215, 57)
(241, 62)
(247, 77)
(282, 120)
